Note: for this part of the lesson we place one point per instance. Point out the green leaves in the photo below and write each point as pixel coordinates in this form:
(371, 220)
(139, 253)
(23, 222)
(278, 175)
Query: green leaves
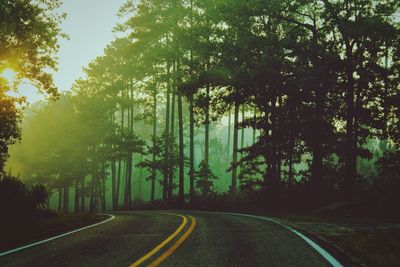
(29, 33)
(205, 178)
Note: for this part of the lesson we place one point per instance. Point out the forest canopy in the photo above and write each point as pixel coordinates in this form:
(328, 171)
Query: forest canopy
(287, 103)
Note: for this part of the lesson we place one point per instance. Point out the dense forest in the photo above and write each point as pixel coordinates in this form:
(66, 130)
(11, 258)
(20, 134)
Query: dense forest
(214, 103)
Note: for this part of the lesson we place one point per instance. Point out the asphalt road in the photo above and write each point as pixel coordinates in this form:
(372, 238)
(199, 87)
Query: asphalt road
(204, 239)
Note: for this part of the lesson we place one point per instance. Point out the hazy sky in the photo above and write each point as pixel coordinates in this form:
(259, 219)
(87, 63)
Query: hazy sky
(89, 25)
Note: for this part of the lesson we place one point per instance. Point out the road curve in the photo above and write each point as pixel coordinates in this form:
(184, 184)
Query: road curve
(206, 239)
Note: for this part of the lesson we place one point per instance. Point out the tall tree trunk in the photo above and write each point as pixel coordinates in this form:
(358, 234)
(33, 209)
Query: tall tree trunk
(242, 134)
(60, 190)
(386, 95)
(242, 130)
(130, 198)
(207, 135)
(181, 194)
(66, 199)
(76, 194)
(191, 146)
(254, 125)
(278, 123)
(273, 152)
(270, 155)
(113, 185)
(171, 174)
(319, 114)
(153, 171)
(97, 192)
(235, 147)
(83, 193)
(350, 158)
(91, 203)
(128, 175)
(139, 185)
(191, 118)
(120, 162)
(350, 168)
(113, 164)
(316, 165)
(103, 187)
(118, 185)
(207, 127)
(291, 149)
(129, 168)
(132, 157)
(173, 114)
(167, 131)
(290, 181)
(131, 107)
(228, 150)
(266, 127)
(128, 164)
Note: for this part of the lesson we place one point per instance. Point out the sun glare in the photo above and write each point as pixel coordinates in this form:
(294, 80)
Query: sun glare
(9, 74)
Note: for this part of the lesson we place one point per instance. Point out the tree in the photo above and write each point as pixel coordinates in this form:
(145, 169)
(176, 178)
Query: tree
(28, 44)
(318, 83)
(10, 117)
(205, 179)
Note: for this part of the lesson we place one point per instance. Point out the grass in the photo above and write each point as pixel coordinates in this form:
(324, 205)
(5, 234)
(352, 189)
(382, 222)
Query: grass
(15, 233)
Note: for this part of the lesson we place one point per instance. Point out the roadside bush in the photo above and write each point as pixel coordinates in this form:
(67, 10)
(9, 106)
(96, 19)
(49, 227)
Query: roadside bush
(388, 180)
(18, 200)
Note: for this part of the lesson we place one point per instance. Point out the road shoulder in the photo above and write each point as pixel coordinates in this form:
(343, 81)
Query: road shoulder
(24, 234)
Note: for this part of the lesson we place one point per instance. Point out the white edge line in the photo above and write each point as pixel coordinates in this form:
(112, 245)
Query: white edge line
(112, 217)
(325, 254)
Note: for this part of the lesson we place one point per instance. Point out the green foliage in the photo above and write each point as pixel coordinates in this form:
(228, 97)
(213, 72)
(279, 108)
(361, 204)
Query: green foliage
(389, 169)
(29, 32)
(249, 176)
(29, 35)
(10, 117)
(205, 178)
(317, 82)
(166, 155)
(17, 200)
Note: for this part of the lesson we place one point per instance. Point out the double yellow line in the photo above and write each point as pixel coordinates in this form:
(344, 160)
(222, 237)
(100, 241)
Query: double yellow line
(172, 249)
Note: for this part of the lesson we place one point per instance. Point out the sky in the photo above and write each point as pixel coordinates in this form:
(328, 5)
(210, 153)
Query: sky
(89, 24)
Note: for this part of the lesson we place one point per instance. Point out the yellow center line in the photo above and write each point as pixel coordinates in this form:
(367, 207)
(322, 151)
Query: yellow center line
(162, 244)
(172, 249)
